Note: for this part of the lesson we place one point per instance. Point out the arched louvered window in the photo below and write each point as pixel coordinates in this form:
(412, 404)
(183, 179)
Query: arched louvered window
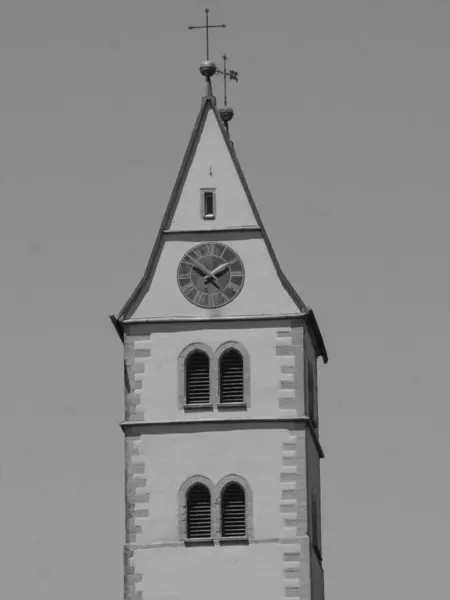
(198, 507)
(197, 378)
(231, 369)
(311, 395)
(234, 511)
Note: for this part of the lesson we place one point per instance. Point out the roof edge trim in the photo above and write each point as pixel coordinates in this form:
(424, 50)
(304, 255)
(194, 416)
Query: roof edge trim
(311, 318)
(118, 326)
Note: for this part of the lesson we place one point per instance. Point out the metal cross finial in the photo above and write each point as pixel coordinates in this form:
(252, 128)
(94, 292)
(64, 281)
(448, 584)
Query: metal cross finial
(233, 75)
(207, 27)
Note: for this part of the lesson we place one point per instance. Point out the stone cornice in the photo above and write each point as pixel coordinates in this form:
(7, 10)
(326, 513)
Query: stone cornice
(228, 319)
(239, 423)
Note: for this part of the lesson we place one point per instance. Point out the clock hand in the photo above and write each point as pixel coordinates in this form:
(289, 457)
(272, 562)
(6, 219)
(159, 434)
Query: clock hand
(219, 270)
(202, 268)
(207, 274)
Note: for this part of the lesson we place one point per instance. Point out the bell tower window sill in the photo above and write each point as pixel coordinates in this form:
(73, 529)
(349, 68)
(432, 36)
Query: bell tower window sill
(198, 406)
(224, 541)
(232, 405)
(199, 542)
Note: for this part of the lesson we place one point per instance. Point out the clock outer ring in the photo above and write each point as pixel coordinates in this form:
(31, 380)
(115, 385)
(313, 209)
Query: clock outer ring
(231, 299)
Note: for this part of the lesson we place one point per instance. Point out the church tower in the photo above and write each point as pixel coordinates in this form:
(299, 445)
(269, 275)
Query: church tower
(221, 424)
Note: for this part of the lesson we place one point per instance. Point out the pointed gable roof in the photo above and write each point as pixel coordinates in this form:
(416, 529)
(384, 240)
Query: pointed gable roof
(208, 108)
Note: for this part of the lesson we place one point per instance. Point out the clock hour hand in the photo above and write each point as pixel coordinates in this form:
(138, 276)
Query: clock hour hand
(219, 270)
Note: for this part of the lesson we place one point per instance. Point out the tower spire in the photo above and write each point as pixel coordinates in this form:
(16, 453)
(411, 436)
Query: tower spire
(207, 67)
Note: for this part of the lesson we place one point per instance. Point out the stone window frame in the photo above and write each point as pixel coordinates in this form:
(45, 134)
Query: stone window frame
(182, 508)
(245, 403)
(216, 501)
(182, 357)
(208, 216)
(222, 484)
(214, 378)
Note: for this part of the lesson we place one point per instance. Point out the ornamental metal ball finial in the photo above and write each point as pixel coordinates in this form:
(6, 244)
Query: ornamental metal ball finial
(226, 114)
(208, 68)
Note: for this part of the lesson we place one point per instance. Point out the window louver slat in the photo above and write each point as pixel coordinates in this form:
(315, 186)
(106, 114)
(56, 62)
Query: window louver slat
(197, 378)
(198, 512)
(231, 377)
(233, 511)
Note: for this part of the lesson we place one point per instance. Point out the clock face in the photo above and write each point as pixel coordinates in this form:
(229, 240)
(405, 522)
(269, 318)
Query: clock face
(210, 275)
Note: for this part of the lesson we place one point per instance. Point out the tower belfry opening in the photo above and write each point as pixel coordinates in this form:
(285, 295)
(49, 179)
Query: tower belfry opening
(221, 427)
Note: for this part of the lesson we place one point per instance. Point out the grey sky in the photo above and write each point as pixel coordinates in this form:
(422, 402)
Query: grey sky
(342, 127)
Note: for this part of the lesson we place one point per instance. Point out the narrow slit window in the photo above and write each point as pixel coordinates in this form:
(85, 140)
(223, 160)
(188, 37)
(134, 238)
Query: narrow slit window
(209, 204)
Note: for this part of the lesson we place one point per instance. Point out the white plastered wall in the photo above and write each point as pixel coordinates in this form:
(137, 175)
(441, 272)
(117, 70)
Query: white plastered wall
(213, 167)
(262, 293)
(159, 390)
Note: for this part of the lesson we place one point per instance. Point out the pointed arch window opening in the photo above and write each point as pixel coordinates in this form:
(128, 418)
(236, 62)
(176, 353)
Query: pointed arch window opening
(233, 517)
(212, 514)
(231, 377)
(208, 203)
(198, 512)
(197, 378)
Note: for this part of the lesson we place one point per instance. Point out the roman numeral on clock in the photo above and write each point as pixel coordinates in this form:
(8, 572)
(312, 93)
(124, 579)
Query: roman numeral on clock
(215, 300)
(233, 286)
(187, 288)
(211, 248)
(198, 297)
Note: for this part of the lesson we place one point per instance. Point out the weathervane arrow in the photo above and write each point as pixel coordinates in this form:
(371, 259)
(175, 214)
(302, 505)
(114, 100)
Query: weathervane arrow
(232, 75)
